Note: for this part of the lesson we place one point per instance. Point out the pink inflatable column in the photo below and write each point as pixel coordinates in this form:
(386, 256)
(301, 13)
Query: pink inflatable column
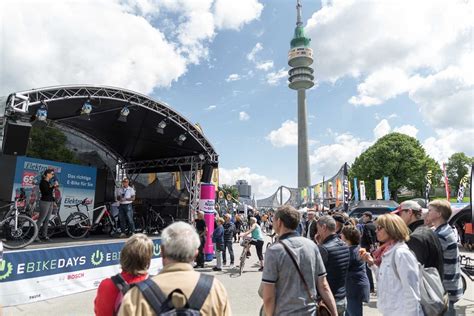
(206, 204)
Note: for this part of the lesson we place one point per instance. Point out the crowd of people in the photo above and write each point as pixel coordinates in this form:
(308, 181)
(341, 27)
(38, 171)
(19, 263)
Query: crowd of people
(322, 262)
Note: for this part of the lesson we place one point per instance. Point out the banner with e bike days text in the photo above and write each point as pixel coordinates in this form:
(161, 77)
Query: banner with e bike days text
(28, 276)
(76, 183)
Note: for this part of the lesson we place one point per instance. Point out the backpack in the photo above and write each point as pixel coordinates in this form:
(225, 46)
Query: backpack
(162, 305)
(123, 288)
(433, 297)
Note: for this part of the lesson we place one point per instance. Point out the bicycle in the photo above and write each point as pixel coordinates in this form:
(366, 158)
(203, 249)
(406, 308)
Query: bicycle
(245, 243)
(17, 230)
(467, 267)
(156, 223)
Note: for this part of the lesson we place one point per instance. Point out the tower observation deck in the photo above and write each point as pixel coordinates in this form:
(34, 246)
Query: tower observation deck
(300, 58)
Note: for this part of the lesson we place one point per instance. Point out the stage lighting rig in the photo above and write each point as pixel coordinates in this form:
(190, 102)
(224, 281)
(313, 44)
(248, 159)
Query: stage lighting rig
(160, 129)
(124, 112)
(41, 114)
(86, 109)
(181, 139)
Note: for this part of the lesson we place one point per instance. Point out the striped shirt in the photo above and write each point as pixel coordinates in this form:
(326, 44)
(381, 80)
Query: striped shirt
(452, 270)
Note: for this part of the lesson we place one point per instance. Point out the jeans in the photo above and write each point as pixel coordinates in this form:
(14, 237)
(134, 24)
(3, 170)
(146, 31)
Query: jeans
(228, 246)
(46, 208)
(341, 306)
(354, 307)
(126, 218)
(451, 311)
(219, 248)
(200, 256)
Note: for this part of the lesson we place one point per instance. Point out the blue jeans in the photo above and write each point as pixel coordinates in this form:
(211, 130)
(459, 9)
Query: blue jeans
(126, 218)
(354, 307)
(228, 246)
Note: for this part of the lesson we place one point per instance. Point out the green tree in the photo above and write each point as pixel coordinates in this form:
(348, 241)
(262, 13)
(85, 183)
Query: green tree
(49, 143)
(399, 157)
(456, 168)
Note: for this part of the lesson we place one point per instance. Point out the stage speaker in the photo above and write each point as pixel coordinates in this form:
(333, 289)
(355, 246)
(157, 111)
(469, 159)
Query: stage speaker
(207, 170)
(15, 138)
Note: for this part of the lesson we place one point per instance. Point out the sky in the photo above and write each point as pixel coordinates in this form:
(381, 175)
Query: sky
(380, 66)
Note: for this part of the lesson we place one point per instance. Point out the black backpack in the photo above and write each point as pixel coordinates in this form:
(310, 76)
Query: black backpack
(123, 288)
(162, 305)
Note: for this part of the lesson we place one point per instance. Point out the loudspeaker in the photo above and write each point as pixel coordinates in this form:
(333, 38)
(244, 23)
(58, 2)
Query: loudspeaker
(207, 170)
(15, 138)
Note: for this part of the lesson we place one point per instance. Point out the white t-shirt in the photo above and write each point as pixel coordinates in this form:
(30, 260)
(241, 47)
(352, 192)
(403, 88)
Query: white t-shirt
(126, 193)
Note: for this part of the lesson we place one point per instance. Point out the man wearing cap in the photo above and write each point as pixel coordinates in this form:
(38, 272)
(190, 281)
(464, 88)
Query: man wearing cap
(339, 223)
(423, 241)
(126, 196)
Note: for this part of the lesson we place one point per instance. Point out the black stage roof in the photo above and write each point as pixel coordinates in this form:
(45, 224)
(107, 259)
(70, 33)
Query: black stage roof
(135, 144)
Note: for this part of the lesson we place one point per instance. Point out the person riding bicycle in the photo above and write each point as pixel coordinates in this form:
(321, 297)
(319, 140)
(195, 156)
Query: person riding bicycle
(257, 239)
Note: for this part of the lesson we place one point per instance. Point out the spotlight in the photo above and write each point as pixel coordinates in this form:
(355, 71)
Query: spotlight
(86, 109)
(124, 112)
(41, 113)
(201, 157)
(160, 129)
(180, 140)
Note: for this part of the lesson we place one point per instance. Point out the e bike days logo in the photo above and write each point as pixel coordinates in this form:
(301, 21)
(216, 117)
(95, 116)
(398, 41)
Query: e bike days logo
(44, 262)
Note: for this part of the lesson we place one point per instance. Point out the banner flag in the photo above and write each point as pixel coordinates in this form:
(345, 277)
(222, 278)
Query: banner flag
(338, 192)
(151, 178)
(428, 178)
(215, 178)
(386, 189)
(362, 191)
(356, 190)
(446, 183)
(378, 189)
(472, 193)
(177, 178)
(462, 185)
(317, 191)
(346, 185)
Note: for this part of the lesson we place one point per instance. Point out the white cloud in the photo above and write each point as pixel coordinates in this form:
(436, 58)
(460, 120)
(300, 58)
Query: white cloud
(367, 40)
(233, 77)
(70, 40)
(274, 78)
(210, 108)
(327, 159)
(382, 129)
(262, 186)
(409, 130)
(252, 55)
(243, 116)
(234, 14)
(265, 65)
(286, 135)
(448, 142)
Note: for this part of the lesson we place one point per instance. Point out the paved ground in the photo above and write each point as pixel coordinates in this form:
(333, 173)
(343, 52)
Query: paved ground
(242, 292)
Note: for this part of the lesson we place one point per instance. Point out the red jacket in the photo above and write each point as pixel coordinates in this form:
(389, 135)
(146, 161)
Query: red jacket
(107, 292)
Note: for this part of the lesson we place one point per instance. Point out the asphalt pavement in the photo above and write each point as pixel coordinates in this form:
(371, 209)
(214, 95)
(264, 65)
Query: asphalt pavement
(242, 291)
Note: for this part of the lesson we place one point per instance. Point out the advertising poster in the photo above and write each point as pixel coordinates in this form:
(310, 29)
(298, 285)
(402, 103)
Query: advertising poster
(76, 183)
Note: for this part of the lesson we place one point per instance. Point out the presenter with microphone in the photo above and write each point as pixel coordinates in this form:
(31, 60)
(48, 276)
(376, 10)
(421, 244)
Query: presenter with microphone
(126, 197)
(46, 203)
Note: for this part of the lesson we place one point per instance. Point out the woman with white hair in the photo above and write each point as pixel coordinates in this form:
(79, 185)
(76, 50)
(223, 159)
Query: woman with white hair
(257, 239)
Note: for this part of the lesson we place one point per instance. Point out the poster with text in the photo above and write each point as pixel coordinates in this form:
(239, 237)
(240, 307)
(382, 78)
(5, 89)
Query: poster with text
(76, 183)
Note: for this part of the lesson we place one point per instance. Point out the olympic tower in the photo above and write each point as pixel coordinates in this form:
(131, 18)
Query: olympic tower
(300, 58)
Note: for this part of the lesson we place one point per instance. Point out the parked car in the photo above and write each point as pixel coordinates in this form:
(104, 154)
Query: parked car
(376, 207)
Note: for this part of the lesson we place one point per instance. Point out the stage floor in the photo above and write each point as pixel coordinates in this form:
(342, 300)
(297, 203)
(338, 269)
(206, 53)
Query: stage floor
(69, 242)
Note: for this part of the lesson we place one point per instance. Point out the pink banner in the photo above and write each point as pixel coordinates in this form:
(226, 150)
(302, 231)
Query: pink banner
(206, 204)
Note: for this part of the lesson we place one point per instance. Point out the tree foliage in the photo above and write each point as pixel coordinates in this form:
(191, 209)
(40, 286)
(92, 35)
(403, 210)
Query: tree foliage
(49, 143)
(456, 168)
(399, 157)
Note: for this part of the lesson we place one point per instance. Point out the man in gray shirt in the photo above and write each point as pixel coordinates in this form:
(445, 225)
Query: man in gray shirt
(284, 292)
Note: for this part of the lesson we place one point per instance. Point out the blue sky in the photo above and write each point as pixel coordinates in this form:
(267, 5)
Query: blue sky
(380, 67)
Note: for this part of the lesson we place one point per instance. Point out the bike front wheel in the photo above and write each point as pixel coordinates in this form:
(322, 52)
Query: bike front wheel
(20, 235)
(77, 225)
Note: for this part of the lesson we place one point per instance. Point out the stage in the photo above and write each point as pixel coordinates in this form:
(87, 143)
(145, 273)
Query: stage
(61, 267)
